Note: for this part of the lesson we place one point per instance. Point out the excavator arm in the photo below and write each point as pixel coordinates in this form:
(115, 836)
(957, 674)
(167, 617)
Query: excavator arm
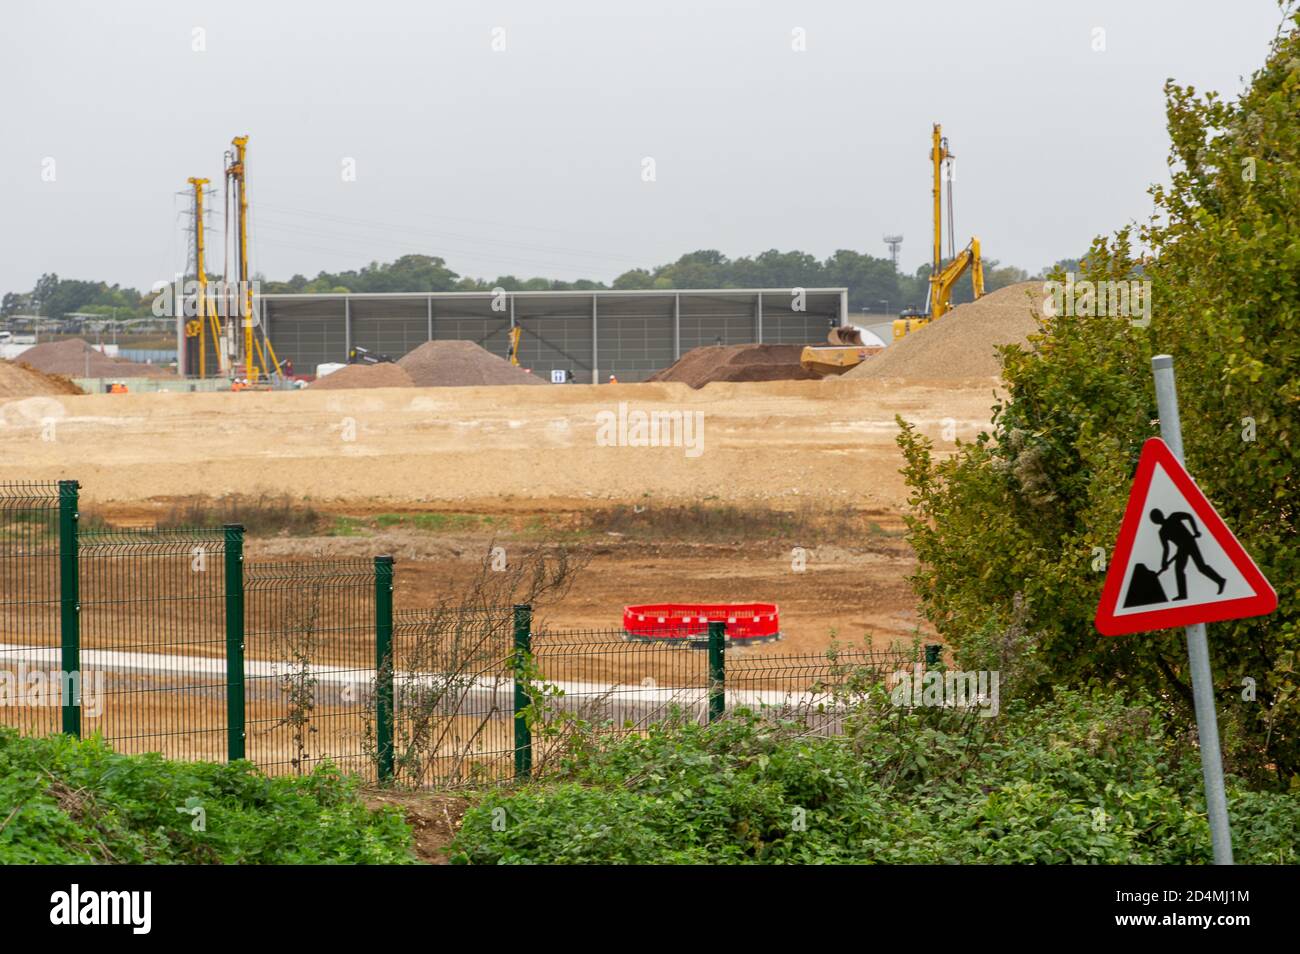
(941, 285)
(515, 333)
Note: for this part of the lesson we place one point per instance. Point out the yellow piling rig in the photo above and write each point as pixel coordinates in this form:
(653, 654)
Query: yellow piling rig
(943, 277)
(254, 357)
(208, 319)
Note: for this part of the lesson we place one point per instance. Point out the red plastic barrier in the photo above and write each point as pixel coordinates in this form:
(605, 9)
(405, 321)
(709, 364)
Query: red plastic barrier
(745, 621)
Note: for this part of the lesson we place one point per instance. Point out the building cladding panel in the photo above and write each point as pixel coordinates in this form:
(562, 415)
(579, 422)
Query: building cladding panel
(796, 328)
(635, 348)
(556, 343)
(309, 330)
(490, 334)
(635, 332)
(389, 327)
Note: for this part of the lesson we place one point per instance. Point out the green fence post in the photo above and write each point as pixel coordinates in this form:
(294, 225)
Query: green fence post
(523, 652)
(717, 671)
(384, 666)
(70, 607)
(234, 641)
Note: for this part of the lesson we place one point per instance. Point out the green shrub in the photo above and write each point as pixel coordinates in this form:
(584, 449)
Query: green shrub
(70, 801)
(1084, 779)
(1007, 530)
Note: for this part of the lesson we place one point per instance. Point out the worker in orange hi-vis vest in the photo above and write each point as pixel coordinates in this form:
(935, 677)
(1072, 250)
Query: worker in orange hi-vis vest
(613, 380)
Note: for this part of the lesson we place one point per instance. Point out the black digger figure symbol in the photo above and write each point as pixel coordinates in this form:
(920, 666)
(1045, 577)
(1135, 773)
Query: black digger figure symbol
(1179, 532)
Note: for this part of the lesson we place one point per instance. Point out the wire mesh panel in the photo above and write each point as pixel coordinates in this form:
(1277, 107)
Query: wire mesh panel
(309, 665)
(818, 690)
(454, 687)
(29, 607)
(153, 636)
(599, 676)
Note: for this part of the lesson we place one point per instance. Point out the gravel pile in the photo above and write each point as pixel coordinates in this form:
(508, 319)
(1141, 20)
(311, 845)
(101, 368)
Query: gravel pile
(452, 364)
(77, 359)
(17, 381)
(364, 376)
(752, 362)
(962, 344)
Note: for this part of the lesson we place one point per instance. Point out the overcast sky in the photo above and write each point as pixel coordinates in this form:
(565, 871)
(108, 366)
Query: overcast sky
(528, 160)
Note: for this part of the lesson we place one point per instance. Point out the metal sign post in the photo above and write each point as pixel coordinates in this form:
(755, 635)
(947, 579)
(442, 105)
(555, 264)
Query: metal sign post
(1198, 650)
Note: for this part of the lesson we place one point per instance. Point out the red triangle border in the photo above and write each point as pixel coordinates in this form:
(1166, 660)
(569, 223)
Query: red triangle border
(1156, 452)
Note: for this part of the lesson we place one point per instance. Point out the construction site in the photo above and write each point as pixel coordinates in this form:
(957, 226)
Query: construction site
(635, 437)
(479, 414)
(443, 430)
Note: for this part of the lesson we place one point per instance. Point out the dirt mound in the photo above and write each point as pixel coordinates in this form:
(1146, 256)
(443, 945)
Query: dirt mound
(455, 364)
(75, 358)
(365, 376)
(17, 381)
(962, 343)
(752, 362)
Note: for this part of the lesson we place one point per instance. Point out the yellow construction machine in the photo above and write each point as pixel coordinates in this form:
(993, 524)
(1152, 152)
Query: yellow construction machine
(515, 333)
(943, 277)
(257, 359)
(206, 319)
(846, 350)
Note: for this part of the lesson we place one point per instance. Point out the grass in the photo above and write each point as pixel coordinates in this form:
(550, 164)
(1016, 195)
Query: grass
(423, 522)
(727, 523)
(437, 522)
(346, 527)
(701, 522)
(706, 521)
(260, 514)
(876, 530)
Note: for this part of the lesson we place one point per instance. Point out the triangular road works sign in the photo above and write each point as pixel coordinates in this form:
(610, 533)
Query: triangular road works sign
(1176, 562)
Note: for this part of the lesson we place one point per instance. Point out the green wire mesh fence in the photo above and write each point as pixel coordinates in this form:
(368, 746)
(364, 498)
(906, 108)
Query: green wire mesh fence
(454, 669)
(152, 640)
(309, 665)
(818, 691)
(180, 646)
(30, 605)
(603, 677)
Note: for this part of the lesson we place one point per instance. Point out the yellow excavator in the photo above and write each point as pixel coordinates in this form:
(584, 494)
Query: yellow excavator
(846, 349)
(943, 277)
(515, 334)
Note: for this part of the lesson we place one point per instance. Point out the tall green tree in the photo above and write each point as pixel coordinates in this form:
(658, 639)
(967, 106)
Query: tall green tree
(1013, 530)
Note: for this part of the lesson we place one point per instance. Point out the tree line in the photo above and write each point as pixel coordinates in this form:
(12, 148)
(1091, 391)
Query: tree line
(874, 284)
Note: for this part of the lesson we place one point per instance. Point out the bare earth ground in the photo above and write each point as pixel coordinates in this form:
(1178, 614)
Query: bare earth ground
(493, 449)
(531, 453)
(526, 453)
(434, 818)
(849, 588)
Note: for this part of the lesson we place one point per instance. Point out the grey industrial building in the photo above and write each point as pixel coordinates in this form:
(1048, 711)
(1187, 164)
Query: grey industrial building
(591, 334)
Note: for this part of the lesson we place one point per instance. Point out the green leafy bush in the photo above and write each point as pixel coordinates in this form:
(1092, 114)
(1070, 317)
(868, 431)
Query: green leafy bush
(1086, 778)
(1008, 530)
(64, 801)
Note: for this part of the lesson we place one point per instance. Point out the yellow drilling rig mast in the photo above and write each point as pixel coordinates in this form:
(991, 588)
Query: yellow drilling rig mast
(205, 318)
(943, 277)
(254, 356)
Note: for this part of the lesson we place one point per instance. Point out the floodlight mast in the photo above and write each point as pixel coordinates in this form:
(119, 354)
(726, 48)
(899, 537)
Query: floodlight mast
(894, 242)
